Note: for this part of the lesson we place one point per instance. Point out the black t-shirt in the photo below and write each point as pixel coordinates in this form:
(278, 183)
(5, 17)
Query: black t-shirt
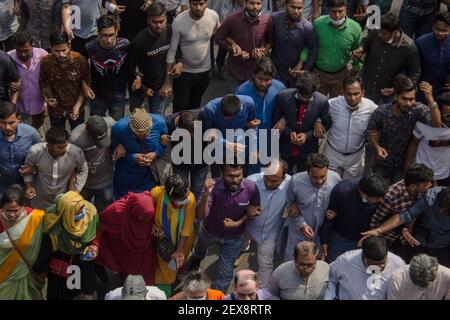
(148, 52)
(8, 74)
(172, 126)
(133, 20)
(108, 67)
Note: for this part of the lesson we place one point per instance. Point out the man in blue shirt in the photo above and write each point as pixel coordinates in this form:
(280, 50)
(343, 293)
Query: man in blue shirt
(434, 50)
(352, 205)
(230, 112)
(15, 141)
(139, 134)
(262, 89)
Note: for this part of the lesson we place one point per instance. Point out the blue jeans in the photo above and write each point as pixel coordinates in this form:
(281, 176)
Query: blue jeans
(229, 251)
(413, 24)
(156, 104)
(197, 178)
(102, 197)
(113, 102)
(338, 245)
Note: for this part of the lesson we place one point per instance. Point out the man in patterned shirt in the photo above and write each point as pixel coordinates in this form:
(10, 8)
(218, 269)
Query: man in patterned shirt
(400, 196)
(61, 80)
(391, 126)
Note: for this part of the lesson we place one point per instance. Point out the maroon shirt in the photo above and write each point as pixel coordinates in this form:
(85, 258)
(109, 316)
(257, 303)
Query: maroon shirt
(248, 36)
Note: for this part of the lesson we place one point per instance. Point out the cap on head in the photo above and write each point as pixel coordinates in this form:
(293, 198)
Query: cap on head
(140, 122)
(97, 128)
(134, 288)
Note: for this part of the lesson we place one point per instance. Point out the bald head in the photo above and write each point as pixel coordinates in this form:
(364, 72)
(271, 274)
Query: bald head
(246, 284)
(274, 173)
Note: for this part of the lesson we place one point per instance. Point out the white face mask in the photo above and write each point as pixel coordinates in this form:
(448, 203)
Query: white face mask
(337, 23)
(364, 200)
(391, 41)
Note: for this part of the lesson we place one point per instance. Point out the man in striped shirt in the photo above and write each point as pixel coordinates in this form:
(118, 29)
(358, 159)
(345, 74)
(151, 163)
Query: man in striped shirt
(400, 196)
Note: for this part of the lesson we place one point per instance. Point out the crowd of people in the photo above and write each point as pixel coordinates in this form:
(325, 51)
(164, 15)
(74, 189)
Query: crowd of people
(99, 99)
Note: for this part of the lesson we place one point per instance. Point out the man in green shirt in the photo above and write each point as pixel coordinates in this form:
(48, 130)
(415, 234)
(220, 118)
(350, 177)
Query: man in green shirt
(338, 37)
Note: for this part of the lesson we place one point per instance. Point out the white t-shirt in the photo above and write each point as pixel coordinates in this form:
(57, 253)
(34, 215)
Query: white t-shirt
(153, 293)
(429, 151)
(193, 37)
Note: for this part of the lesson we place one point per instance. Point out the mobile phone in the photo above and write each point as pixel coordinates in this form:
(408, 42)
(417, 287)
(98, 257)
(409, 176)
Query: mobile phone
(172, 264)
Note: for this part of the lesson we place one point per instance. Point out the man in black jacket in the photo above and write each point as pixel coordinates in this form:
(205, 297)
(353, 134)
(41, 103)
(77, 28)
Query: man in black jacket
(299, 108)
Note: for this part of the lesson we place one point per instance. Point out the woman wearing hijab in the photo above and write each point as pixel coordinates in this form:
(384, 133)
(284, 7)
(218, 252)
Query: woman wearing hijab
(70, 227)
(174, 221)
(124, 236)
(20, 241)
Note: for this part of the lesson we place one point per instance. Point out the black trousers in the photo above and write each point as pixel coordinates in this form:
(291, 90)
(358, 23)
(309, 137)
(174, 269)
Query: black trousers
(188, 90)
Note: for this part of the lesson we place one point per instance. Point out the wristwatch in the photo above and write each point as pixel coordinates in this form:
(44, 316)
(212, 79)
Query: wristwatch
(433, 106)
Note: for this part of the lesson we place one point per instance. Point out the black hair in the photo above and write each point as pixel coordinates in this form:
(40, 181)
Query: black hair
(443, 200)
(307, 83)
(266, 67)
(56, 135)
(13, 193)
(443, 16)
(7, 109)
(403, 84)
(230, 105)
(232, 166)
(418, 173)
(373, 185)
(186, 120)
(351, 79)
(106, 21)
(444, 100)
(336, 3)
(176, 186)
(374, 248)
(316, 160)
(59, 37)
(21, 38)
(389, 22)
(156, 9)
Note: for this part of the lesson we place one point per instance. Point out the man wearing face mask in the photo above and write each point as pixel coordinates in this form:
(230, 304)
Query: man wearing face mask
(247, 35)
(400, 196)
(389, 51)
(352, 205)
(295, 112)
(337, 37)
(224, 200)
(391, 126)
(348, 118)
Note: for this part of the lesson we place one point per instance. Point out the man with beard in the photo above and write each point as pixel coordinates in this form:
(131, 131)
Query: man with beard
(148, 55)
(28, 62)
(63, 73)
(391, 126)
(434, 51)
(263, 89)
(191, 33)
(292, 33)
(15, 140)
(247, 35)
(222, 202)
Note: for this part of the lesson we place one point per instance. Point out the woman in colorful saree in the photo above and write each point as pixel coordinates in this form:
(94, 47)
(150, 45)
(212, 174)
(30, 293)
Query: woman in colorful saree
(70, 227)
(174, 222)
(20, 241)
(124, 237)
